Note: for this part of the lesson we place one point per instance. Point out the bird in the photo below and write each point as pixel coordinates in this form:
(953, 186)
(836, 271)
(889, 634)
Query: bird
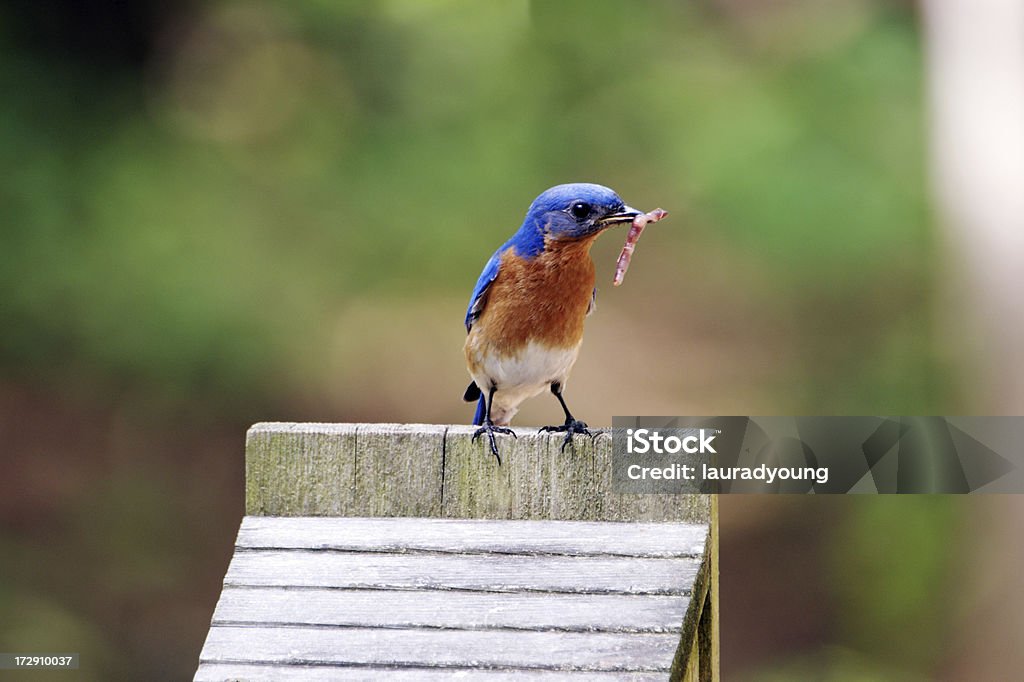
(524, 323)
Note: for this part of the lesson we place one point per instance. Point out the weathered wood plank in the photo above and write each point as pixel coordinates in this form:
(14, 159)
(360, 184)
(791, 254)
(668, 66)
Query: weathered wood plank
(711, 630)
(698, 656)
(537, 480)
(411, 598)
(462, 536)
(300, 469)
(398, 469)
(229, 672)
(497, 573)
(446, 609)
(344, 469)
(430, 470)
(597, 652)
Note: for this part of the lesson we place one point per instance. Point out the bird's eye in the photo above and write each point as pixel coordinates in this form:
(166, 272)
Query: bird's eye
(580, 210)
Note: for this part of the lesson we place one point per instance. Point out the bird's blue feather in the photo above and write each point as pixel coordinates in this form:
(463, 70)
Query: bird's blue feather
(486, 277)
(528, 241)
(481, 411)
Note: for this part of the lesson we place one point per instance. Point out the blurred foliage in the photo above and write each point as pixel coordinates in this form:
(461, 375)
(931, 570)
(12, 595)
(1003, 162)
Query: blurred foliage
(202, 201)
(890, 562)
(854, 587)
(193, 223)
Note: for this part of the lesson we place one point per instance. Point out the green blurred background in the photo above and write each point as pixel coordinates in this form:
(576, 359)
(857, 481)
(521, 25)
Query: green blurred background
(215, 213)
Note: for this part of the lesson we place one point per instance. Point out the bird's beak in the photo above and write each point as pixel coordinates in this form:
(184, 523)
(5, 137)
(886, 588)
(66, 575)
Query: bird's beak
(626, 215)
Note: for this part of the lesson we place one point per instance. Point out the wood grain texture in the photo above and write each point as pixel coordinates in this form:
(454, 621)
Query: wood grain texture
(698, 658)
(232, 672)
(453, 610)
(371, 598)
(344, 469)
(300, 469)
(572, 538)
(686, 667)
(713, 633)
(391, 467)
(433, 471)
(537, 480)
(453, 649)
(490, 573)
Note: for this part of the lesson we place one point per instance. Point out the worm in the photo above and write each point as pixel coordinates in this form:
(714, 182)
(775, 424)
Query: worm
(635, 230)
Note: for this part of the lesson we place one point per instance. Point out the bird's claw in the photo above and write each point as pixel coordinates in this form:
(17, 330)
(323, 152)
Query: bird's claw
(571, 427)
(490, 430)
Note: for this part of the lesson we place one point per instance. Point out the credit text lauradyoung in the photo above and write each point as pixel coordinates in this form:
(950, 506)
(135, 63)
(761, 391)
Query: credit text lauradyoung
(647, 441)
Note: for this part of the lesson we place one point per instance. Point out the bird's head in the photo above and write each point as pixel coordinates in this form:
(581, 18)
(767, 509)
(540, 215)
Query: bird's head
(577, 210)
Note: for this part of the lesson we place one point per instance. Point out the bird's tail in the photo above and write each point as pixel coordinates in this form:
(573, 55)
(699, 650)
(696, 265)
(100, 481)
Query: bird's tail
(481, 411)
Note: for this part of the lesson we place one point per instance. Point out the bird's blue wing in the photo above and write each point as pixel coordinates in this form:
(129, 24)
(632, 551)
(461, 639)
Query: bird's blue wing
(479, 298)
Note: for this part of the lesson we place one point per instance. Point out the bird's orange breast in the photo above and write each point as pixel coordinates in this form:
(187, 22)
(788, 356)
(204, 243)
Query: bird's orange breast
(542, 299)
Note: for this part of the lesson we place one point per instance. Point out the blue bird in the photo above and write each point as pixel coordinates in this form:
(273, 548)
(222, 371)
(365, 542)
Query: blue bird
(525, 318)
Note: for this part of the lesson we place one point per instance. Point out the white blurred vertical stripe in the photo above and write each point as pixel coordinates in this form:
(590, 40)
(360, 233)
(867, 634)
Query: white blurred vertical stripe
(975, 76)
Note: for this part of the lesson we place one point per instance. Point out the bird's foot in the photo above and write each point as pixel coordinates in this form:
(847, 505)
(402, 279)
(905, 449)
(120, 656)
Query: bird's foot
(570, 427)
(490, 429)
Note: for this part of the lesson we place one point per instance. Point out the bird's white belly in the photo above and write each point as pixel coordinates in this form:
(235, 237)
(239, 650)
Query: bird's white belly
(523, 375)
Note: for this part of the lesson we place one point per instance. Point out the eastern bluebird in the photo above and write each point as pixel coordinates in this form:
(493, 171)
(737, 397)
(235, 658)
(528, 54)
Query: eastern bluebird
(525, 317)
